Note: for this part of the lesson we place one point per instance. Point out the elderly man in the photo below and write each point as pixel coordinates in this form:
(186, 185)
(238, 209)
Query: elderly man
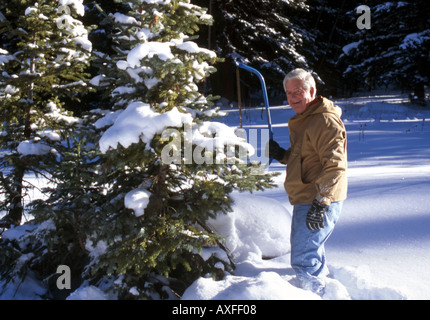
(316, 181)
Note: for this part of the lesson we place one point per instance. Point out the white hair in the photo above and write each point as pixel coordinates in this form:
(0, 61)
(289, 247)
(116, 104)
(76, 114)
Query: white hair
(305, 76)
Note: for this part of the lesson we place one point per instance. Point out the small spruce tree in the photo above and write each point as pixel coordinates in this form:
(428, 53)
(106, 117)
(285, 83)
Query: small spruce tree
(168, 167)
(43, 61)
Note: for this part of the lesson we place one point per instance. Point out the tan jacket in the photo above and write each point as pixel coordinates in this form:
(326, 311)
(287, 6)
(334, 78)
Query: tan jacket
(317, 160)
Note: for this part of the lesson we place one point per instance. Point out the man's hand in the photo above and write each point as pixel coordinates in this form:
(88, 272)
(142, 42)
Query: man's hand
(275, 151)
(315, 216)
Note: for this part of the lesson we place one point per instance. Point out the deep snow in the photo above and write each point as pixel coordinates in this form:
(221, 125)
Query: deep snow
(378, 250)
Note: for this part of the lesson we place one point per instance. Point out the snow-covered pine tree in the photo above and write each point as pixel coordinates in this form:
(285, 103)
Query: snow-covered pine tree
(43, 56)
(167, 167)
(330, 26)
(43, 60)
(266, 35)
(63, 221)
(394, 51)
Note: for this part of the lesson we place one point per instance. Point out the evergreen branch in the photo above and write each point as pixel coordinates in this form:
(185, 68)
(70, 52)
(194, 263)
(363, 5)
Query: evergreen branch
(123, 30)
(223, 247)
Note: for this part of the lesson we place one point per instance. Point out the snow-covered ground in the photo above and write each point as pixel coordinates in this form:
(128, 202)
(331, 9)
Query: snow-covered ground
(380, 247)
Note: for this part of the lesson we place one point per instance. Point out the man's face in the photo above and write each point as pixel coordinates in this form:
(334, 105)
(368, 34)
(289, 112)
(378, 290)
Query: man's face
(298, 97)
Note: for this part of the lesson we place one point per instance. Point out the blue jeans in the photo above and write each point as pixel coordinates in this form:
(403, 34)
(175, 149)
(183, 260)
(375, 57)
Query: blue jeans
(307, 247)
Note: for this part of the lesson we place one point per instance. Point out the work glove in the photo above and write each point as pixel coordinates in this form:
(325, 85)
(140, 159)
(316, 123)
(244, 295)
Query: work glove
(275, 151)
(315, 216)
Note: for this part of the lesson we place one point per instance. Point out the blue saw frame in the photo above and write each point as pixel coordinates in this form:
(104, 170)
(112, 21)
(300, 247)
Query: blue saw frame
(266, 99)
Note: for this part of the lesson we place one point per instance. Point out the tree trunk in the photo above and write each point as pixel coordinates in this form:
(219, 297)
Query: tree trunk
(15, 194)
(15, 198)
(16, 206)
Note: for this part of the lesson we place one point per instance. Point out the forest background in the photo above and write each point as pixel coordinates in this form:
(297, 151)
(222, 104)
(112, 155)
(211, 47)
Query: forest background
(319, 35)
